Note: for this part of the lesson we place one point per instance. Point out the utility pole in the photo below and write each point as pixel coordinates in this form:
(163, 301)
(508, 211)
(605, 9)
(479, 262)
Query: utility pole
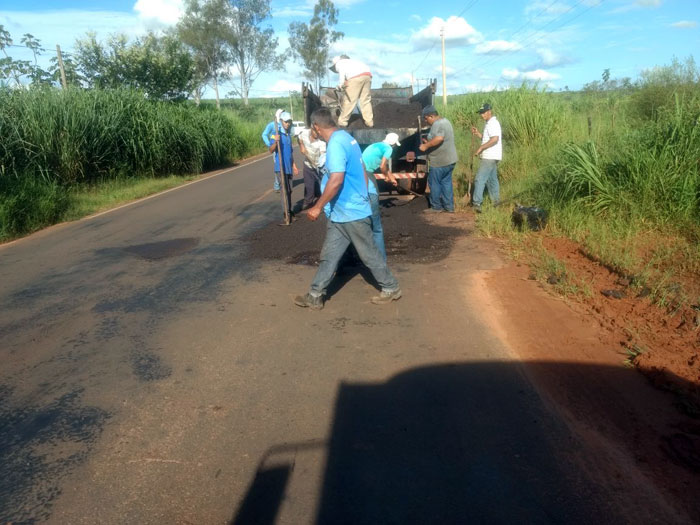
(444, 74)
(60, 66)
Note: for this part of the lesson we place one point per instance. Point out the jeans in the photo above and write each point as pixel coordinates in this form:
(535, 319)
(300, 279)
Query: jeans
(312, 180)
(441, 192)
(486, 176)
(276, 185)
(339, 235)
(377, 231)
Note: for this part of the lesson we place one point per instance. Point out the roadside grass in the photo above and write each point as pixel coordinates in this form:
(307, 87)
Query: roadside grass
(87, 200)
(68, 153)
(617, 171)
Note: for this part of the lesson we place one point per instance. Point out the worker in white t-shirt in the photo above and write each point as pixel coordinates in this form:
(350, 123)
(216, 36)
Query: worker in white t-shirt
(355, 83)
(491, 153)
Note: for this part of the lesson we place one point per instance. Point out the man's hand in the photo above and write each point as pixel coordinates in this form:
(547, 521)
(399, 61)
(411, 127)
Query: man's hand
(393, 180)
(423, 147)
(475, 131)
(295, 170)
(313, 213)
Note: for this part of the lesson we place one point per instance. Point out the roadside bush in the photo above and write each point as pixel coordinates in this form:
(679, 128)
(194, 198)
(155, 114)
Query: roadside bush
(28, 204)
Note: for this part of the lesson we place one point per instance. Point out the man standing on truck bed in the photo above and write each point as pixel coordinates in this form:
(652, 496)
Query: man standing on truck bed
(375, 156)
(442, 156)
(355, 83)
(344, 190)
(491, 152)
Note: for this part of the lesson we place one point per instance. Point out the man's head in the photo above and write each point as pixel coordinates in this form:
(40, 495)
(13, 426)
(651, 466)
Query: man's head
(335, 60)
(392, 139)
(430, 114)
(485, 111)
(286, 119)
(322, 123)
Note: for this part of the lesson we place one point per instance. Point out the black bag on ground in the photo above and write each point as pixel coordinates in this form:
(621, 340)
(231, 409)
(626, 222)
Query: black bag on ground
(530, 218)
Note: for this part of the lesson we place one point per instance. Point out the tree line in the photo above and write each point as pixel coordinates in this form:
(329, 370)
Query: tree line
(214, 42)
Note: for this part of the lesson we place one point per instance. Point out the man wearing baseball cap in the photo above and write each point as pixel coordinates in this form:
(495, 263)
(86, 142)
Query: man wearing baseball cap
(286, 152)
(377, 156)
(442, 156)
(491, 153)
(355, 83)
(267, 134)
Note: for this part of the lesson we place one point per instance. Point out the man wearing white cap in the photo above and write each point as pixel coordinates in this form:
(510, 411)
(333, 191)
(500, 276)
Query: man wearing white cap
(314, 151)
(355, 81)
(267, 135)
(286, 152)
(377, 156)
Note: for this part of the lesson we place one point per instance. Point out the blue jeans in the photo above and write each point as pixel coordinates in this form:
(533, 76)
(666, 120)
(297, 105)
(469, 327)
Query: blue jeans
(377, 231)
(339, 235)
(441, 192)
(486, 176)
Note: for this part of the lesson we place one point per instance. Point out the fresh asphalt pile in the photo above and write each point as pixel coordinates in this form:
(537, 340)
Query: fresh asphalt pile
(410, 235)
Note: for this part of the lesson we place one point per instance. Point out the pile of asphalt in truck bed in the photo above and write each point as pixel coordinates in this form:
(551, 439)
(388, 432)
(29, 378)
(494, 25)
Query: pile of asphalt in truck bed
(390, 115)
(410, 235)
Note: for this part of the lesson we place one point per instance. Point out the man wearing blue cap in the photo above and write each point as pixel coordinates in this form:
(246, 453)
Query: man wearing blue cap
(286, 151)
(442, 157)
(491, 153)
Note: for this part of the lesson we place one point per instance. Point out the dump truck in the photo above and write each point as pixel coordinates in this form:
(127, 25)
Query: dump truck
(396, 110)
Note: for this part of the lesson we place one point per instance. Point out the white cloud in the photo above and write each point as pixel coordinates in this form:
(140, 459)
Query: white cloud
(166, 12)
(448, 70)
(685, 24)
(496, 47)
(648, 3)
(457, 33)
(417, 18)
(534, 76)
(550, 58)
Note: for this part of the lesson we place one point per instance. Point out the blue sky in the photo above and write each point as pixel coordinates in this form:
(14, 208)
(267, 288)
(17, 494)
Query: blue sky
(489, 45)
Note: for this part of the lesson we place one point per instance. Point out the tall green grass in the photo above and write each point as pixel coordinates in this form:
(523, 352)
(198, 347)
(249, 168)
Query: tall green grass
(53, 140)
(613, 168)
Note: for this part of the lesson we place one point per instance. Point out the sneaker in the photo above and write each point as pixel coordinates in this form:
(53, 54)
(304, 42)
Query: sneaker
(477, 208)
(315, 302)
(278, 191)
(387, 297)
(432, 210)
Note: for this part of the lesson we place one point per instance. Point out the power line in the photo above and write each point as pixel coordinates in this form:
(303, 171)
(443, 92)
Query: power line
(531, 40)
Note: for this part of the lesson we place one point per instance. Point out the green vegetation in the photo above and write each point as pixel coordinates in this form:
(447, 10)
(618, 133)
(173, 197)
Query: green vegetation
(57, 144)
(617, 168)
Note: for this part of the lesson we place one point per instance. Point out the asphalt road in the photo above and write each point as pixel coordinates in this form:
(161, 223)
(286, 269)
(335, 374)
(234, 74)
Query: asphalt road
(153, 372)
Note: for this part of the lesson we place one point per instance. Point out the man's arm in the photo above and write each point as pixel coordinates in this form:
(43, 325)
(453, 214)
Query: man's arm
(486, 145)
(432, 143)
(384, 168)
(335, 181)
(266, 134)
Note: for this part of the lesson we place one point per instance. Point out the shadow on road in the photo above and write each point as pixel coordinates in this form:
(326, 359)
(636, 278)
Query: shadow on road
(462, 443)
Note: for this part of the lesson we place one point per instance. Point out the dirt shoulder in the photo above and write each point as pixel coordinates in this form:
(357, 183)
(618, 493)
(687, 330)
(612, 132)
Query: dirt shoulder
(633, 426)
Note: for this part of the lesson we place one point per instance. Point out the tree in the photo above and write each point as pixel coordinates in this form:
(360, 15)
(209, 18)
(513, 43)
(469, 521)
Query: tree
(310, 42)
(7, 65)
(158, 65)
(252, 49)
(389, 85)
(606, 75)
(37, 75)
(205, 31)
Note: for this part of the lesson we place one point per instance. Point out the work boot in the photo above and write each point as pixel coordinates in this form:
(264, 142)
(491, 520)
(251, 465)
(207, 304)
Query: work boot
(315, 302)
(386, 297)
(433, 210)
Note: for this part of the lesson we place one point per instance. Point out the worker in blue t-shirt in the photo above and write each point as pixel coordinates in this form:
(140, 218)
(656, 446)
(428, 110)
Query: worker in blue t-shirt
(349, 217)
(287, 152)
(267, 135)
(377, 156)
